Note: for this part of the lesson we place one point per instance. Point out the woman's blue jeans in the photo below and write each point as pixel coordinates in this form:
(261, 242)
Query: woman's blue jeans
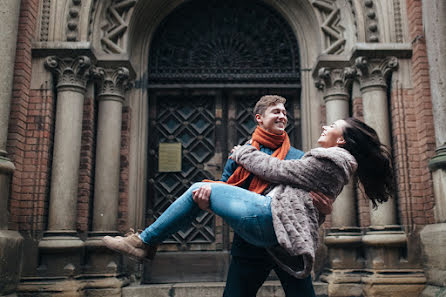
(248, 213)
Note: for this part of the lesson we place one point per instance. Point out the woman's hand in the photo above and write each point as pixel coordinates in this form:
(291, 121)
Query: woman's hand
(323, 203)
(201, 196)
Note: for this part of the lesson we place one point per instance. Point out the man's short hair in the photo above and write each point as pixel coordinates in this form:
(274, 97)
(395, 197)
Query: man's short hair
(266, 101)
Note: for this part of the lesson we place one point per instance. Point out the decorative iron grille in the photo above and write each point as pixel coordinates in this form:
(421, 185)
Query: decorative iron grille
(224, 41)
(191, 121)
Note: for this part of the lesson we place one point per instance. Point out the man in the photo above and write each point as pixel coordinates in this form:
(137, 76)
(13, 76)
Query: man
(251, 265)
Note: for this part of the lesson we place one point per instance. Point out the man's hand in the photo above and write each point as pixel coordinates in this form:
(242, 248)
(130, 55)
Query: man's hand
(201, 196)
(323, 203)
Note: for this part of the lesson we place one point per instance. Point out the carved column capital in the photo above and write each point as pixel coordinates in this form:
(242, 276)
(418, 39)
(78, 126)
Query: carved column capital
(373, 73)
(112, 82)
(71, 73)
(335, 82)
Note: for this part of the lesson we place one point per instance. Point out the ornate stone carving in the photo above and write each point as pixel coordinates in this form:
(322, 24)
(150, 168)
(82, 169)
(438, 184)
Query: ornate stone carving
(335, 82)
(333, 31)
(112, 82)
(45, 20)
(371, 21)
(70, 72)
(118, 17)
(373, 72)
(73, 20)
(233, 41)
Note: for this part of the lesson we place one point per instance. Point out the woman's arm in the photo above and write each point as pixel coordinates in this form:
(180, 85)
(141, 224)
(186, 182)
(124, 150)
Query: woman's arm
(269, 168)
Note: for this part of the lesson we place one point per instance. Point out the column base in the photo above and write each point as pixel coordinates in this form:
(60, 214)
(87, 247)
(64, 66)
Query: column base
(386, 248)
(100, 260)
(343, 283)
(394, 283)
(11, 249)
(83, 287)
(344, 248)
(383, 283)
(60, 254)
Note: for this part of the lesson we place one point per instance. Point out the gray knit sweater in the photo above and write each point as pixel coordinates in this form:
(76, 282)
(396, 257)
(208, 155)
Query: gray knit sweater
(295, 219)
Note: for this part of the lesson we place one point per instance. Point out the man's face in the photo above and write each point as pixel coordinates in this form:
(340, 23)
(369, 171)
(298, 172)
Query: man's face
(274, 119)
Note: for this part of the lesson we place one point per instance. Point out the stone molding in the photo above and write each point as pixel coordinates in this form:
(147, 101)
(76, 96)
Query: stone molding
(45, 20)
(398, 21)
(372, 73)
(113, 82)
(72, 73)
(371, 21)
(335, 82)
(73, 20)
(439, 160)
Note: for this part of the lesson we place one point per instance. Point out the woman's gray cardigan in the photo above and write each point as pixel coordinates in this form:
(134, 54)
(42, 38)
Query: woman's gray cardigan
(295, 219)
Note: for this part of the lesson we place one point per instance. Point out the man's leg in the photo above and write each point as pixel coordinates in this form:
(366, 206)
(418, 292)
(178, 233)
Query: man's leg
(246, 276)
(295, 287)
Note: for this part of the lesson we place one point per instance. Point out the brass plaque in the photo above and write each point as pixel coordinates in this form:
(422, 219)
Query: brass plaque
(169, 157)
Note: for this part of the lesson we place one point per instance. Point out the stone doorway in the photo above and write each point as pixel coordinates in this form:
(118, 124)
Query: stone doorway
(209, 62)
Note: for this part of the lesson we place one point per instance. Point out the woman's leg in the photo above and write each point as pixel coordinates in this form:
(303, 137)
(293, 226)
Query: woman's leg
(248, 213)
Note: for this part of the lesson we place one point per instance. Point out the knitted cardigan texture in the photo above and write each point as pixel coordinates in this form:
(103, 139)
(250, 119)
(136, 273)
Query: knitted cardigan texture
(295, 219)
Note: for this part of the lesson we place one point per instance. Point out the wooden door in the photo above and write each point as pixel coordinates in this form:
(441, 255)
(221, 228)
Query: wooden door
(207, 123)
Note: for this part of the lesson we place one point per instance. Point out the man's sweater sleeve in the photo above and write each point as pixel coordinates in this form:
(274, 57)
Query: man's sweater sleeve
(229, 169)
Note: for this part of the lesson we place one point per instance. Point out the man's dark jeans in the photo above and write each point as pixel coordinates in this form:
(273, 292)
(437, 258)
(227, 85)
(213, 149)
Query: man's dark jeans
(246, 275)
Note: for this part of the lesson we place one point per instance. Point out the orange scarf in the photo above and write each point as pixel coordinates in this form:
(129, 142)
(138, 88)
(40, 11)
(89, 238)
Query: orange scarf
(279, 143)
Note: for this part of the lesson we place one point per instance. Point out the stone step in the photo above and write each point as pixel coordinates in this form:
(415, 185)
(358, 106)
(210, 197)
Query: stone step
(207, 289)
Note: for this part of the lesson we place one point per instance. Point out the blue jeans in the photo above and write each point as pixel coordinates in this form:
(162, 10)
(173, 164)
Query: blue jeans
(248, 213)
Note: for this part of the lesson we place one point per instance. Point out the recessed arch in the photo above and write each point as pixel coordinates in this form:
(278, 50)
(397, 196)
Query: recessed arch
(146, 18)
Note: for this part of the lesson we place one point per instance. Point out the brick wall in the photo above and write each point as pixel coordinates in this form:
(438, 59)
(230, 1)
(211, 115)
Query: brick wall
(30, 132)
(86, 169)
(413, 130)
(124, 171)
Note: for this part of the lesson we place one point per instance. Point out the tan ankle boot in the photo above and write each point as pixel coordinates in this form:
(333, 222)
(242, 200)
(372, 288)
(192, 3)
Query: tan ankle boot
(131, 245)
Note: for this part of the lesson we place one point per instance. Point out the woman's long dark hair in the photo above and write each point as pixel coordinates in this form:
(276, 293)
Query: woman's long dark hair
(375, 170)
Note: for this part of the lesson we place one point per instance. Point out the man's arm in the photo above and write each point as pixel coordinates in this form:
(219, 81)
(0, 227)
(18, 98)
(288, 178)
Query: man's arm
(201, 195)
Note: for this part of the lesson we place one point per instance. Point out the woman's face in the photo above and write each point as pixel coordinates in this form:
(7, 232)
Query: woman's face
(332, 135)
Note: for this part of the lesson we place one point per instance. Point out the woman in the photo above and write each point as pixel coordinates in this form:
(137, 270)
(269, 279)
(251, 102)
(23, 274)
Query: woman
(285, 220)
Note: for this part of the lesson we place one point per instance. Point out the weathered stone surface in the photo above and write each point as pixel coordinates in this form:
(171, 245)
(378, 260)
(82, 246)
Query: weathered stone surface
(396, 290)
(208, 289)
(431, 291)
(11, 246)
(343, 290)
(433, 240)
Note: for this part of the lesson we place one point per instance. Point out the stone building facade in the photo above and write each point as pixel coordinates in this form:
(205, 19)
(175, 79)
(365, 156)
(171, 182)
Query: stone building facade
(91, 90)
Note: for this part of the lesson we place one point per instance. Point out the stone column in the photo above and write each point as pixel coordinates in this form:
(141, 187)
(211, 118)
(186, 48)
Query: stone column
(334, 83)
(433, 237)
(61, 246)
(373, 86)
(11, 242)
(112, 85)
(343, 239)
(385, 238)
